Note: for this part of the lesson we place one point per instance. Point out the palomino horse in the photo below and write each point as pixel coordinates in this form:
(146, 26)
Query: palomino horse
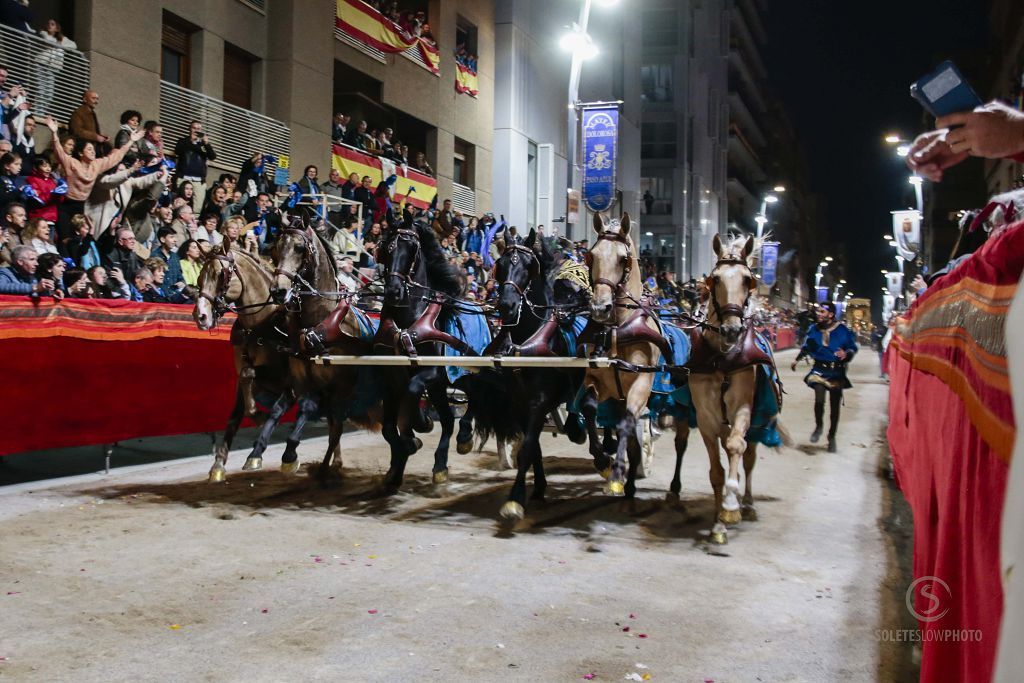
(232, 277)
(723, 365)
(618, 290)
(305, 280)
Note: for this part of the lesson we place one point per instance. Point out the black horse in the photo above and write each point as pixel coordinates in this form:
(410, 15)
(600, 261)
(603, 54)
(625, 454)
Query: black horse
(515, 403)
(419, 288)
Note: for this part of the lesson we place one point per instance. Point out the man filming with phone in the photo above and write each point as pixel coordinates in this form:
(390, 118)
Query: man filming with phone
(192, 153)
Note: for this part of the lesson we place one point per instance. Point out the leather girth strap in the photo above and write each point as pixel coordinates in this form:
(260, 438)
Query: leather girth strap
(422, 331)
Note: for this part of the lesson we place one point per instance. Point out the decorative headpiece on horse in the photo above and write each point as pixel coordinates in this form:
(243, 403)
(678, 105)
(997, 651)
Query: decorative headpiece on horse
(575, 273)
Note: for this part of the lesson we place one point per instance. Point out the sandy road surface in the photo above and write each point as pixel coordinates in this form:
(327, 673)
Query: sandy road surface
(157, 575)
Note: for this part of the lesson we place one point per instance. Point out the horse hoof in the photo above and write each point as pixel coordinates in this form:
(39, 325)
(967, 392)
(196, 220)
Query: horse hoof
(253, 463)
(718, 538)
(730, 516)
(749, 513)
(512, 511)
(290, 467)
(616, 488)
(217, 475)
(464, 447)
(440, 477)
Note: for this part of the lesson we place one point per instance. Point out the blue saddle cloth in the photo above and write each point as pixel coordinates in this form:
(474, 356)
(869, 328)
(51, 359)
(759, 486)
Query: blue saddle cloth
(571, 332)
(367, 325)
(473, 330)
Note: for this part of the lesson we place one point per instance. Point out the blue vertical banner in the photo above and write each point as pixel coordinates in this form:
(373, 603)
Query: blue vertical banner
(769, 263)
(822, 294)
(600, 141)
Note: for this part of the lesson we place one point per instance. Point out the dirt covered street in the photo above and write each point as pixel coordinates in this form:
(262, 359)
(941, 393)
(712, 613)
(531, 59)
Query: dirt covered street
(156, 575)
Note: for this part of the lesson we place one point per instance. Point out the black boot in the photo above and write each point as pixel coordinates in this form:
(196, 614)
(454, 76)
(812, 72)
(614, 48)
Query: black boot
(835, 401)
(816, 434)
(831, 444)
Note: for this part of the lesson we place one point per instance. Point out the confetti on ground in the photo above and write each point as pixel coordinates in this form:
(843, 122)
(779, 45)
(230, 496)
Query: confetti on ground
(589, 677)
(372, 557)
(175, 627)
(501, 646)
(632, 616)
(646, 677)
(625, 629)
(371, 611)
(634, 676)
(641, 666)
(641, 635)
(264, 611)
(14, 592)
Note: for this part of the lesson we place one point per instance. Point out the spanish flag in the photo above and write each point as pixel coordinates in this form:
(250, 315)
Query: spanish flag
(465, 81)
(346, 161)
(369, 26)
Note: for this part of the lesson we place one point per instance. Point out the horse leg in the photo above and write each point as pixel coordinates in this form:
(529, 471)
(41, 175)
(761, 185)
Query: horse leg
(739, 399)
(218, 472)
(636, 400)
(290, 459)
(707, 397)
(749, 460)
(398, 444)
(588, 408)
(610, 444)
(437, 391)
(281, 406)
(464, 439)
(682, 436)
(514, 507)
(335, 427)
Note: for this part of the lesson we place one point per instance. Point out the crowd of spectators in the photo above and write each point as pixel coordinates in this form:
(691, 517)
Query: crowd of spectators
(412, 23)
(378, 141)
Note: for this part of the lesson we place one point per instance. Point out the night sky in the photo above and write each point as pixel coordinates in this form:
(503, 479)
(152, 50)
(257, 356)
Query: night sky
(843, 72)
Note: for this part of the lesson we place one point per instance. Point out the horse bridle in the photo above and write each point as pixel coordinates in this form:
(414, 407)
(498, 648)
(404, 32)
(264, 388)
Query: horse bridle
(409, 235)
(620, 286)
(738, 310)
(219, 300)
(517, 249)
(307, 252)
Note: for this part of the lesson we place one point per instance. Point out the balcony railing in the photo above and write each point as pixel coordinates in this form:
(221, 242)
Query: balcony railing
(371, 52)
(236, 133)
(54, 77)
(464, 199)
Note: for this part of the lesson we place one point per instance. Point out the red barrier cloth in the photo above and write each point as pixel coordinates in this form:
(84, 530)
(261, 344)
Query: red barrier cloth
(951, 433)
(86, 372)
(785, 338)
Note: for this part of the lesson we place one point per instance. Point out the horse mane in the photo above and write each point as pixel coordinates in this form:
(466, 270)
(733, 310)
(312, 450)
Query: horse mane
(441, 275)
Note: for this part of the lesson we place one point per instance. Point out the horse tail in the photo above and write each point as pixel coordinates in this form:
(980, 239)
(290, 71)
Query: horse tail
(787, 438)
(370, 420)
(496, 412)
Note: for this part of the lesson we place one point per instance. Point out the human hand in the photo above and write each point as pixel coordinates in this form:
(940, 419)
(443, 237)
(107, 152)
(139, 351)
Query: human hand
(918, 284)
(135, 136)
(102, 138)
(930, 155)
(117, 275)
(840, 354)
(45, 284)
(51, 124)
(57, 294)
(23, 106)
(992, 131)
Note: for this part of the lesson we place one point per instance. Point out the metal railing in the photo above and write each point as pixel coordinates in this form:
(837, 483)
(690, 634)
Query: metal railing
(371, 52)
(464, 199)
(54, 77)
(235, 133)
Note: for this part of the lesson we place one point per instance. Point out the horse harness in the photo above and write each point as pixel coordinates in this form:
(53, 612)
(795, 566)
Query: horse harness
(620, 286)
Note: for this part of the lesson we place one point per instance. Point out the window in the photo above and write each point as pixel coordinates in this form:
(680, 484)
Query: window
(658, 140)
(466, 39)
(656, 82)
(531, 185)
(176, 46)
(238, 76)
(462, 173)
(659, 185)
(659, 28)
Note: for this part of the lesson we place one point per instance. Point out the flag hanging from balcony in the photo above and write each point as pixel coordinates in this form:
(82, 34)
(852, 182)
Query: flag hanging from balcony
(369, 26)
(600, 136)
(431, 56)
(465, 80)
(410, 185)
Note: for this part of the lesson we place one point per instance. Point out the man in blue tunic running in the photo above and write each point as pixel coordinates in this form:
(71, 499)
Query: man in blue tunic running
(832, 346)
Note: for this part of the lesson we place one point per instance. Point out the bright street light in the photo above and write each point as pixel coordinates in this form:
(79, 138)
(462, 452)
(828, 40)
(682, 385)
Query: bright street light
(915, 180)
(887, 238)
(893, 139)
(893, 243)
(779, 188)
(828, 258)
(842, 282)
(579, 43)
(771, 199)
(903, 150)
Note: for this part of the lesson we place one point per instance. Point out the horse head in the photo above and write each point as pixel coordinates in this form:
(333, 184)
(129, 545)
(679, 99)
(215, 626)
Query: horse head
(294, 254)
(518, 267)
(730, 285)
(401, 253)
(613, 271)
(219, 285)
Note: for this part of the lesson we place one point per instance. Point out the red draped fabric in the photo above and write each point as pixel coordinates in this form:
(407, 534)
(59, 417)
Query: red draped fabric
(951, 433)
(92, 372)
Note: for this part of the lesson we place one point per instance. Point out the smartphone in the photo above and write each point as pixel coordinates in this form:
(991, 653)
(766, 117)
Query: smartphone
(944, 91)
